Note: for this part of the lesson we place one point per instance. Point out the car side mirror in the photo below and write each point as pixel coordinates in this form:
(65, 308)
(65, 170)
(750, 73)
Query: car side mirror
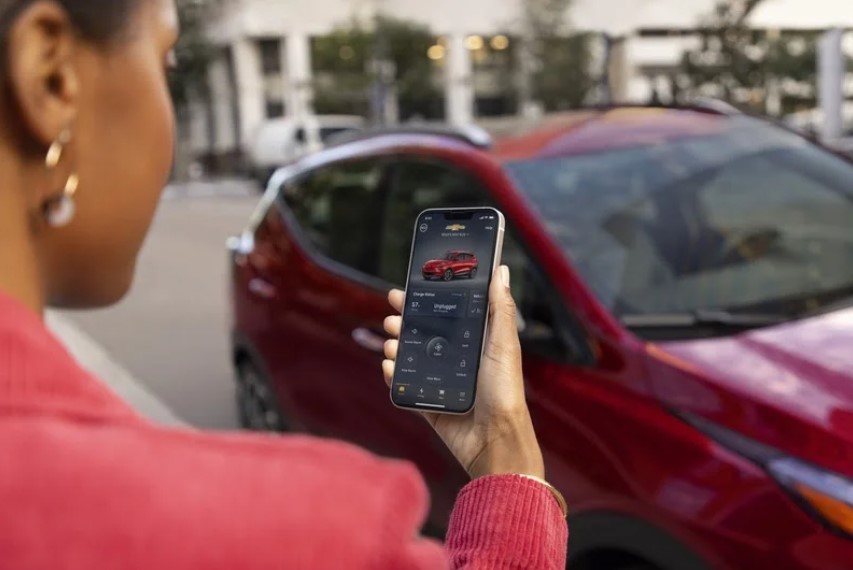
(538, 335)
(520, 323)
(243, 244)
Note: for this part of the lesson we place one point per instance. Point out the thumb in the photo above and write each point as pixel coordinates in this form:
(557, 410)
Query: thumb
(503, 327)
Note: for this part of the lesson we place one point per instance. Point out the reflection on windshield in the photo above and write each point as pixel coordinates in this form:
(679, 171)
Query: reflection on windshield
(754, 219)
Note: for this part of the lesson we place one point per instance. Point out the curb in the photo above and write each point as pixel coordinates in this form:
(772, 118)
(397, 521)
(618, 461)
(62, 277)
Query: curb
(94, 358)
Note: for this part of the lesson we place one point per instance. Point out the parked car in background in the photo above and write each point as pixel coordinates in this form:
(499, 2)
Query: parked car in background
(279, 142)
(453, 265)
(684, 283)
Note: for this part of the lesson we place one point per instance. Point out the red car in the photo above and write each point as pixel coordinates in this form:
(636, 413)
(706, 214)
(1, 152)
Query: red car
(684, 279)
(454, 264)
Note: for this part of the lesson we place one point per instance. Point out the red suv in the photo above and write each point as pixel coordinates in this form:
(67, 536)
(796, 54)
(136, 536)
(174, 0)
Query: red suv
(453, 264)
(684, 279)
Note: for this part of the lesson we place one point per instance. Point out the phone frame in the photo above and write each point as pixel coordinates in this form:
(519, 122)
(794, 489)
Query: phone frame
(499, 244)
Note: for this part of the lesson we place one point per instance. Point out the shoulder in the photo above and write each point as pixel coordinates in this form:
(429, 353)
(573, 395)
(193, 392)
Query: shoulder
(218, 493)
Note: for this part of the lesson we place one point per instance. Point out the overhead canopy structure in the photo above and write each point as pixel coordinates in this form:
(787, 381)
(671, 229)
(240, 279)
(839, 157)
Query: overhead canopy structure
(621, 17)
(803, 15)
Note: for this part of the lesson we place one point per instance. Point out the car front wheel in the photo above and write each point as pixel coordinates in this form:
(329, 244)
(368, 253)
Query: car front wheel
(256, 404)
(448, 275)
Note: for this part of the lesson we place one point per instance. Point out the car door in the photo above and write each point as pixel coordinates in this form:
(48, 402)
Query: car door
(326, 350)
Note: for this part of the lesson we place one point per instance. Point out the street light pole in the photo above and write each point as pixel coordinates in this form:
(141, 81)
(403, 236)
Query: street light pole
(383, 71)
(831, 71)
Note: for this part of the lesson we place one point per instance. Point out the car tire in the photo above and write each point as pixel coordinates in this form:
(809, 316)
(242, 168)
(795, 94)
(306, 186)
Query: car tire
(473, 273)
(448, 275)
(256, 405)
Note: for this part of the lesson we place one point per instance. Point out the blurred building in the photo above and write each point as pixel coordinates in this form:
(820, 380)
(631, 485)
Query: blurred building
(265, 68)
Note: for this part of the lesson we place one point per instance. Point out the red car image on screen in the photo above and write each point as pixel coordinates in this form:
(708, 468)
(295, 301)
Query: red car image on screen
(454, 264)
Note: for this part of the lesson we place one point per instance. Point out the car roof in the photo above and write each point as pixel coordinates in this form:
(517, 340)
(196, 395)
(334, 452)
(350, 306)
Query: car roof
(569, 133)
(596, 130)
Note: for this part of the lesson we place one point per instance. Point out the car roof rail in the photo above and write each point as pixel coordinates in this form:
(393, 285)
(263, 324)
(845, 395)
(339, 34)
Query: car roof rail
(472, 135)
(707, 105)
(713, 105)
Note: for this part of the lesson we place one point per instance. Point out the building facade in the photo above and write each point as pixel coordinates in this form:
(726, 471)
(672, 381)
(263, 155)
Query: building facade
(265, 67)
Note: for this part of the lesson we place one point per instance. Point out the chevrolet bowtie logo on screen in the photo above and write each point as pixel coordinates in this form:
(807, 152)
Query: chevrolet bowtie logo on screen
(456, 228)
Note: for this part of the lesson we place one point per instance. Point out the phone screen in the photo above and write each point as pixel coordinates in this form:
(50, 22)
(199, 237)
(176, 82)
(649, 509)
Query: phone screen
(447, 305)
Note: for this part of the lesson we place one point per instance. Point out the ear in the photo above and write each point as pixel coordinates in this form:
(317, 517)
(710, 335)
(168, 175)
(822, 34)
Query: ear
(42, 75)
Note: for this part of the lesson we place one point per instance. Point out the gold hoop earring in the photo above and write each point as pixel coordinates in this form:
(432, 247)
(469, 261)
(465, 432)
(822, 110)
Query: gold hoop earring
(60, 210)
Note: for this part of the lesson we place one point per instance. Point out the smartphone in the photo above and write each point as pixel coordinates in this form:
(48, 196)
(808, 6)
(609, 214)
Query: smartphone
(454, 256)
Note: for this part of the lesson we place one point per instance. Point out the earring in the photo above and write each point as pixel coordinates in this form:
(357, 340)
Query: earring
(60, 210)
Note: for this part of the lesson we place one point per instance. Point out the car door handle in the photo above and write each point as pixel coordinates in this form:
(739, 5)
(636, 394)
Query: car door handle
(262, 288)
(368, 340)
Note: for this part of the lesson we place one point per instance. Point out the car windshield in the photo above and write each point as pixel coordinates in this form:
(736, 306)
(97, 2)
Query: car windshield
(749, 219)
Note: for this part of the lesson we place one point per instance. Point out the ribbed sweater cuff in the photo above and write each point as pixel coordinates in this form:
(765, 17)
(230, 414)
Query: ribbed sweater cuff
(507, 521)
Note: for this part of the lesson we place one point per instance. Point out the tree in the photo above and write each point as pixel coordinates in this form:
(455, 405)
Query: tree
(194, 51)
(554, 63)
(564, 79)
(744, 66)
(188, 81)
(345, 74)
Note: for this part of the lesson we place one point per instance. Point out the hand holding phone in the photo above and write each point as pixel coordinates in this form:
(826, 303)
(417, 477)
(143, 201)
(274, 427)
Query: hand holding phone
(498, 436)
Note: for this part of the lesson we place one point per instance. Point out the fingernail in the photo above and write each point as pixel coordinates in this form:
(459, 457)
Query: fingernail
(505, 276)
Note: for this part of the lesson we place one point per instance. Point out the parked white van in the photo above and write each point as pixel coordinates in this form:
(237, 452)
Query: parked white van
(282, 141)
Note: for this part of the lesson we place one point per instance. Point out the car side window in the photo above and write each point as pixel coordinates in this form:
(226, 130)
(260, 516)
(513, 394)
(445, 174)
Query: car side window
(417, 186)
(338, 210)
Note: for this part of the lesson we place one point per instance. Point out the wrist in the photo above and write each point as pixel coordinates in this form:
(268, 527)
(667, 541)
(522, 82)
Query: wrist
(514, 452)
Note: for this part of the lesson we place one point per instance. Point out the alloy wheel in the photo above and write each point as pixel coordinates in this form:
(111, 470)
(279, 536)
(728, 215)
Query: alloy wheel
(256, 402)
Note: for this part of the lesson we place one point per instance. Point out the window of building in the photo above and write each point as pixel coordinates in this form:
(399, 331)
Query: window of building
(270, 56)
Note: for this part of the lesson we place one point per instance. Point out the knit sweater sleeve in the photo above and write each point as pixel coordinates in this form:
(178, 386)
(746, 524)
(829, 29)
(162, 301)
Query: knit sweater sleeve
(504, 522)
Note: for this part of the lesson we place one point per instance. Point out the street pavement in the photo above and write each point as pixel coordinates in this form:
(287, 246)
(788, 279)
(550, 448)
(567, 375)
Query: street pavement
(171, 332)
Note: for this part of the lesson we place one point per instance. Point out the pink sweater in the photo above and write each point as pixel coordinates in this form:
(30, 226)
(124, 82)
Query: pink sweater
(86, 483)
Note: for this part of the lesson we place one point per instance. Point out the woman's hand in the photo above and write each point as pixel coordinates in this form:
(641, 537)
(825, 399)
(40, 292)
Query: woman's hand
(497, 437)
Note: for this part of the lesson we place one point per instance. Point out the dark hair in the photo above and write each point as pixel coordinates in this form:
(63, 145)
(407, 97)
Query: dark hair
(95, 20)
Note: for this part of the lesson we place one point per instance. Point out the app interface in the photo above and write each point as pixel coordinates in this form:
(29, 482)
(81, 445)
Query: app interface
(446, 310)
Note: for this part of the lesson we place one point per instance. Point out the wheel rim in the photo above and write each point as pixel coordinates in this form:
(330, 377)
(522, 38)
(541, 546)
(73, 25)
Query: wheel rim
(473, 273)
(448, 275)
(257, 402)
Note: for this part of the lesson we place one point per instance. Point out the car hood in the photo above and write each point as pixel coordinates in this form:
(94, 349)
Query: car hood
(790, 386)
(436, 264)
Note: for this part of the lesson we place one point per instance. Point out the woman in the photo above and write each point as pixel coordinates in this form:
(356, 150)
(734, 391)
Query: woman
(86, 137)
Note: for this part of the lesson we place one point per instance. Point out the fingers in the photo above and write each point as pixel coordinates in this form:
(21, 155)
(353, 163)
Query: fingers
(397, 298)
(393, 326)
(503, 326)
(388, 371)
(391, 347)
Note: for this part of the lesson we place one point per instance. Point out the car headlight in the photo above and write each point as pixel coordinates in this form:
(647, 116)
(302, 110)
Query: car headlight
(826, 495)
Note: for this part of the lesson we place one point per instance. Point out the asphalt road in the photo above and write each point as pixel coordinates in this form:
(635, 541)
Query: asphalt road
(171, 332)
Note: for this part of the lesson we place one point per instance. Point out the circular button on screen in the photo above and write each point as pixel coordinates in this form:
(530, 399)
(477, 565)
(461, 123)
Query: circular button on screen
(437, 347)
